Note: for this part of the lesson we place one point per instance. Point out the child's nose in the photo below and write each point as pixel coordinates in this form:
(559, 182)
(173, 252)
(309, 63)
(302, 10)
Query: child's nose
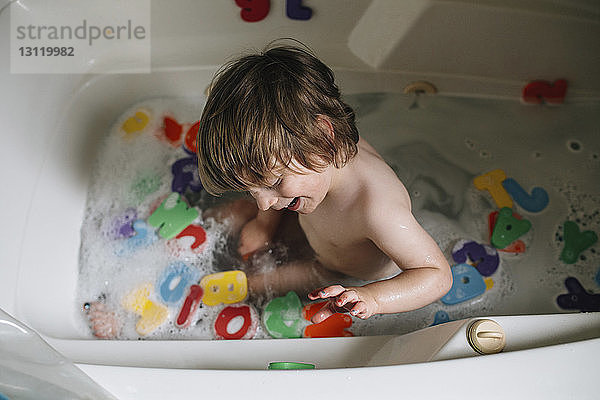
(265, 200)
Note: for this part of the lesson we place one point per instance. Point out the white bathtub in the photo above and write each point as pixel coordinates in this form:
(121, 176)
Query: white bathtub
(53, 124)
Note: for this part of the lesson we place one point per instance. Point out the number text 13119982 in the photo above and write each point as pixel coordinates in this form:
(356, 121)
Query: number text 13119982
(47, 51)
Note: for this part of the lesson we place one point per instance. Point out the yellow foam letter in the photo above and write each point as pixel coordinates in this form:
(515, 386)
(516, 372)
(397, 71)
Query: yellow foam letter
(153, 315)
(135, 124)
(224, 287)
(492, 182)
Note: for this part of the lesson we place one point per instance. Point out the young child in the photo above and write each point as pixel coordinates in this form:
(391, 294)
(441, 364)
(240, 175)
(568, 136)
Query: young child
(274, 125)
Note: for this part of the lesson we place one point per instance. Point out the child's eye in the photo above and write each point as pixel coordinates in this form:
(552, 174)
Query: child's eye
(276, 184)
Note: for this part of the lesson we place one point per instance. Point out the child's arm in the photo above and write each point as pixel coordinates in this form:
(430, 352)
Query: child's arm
(258, 231)
(425, 278)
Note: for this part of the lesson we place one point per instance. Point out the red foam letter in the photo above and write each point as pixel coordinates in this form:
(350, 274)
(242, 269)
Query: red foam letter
(197, 232)
(334, 326)
(538, 91)
(253, 10)
(172, 130)
(248, 328)
(190, 305)
(191, 136)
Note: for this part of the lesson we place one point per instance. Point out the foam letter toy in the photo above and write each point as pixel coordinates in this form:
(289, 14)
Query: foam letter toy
(484, 258)
(578, 298)
(576, 242)
(172, 130)
(282, 317)
(334, 326)
(188, 243)
(195, 231)
(441, 317)
(536, 202)
(135, 124)
(174, 280)
(492, 182)
(172, 216)
(309, 310)
(508, 228)
(224, 287)
(552, 93)
(190, 138)
(518, 246)
(467, 284)
(122, 226)
(185, 174)
(144, 237)
(227, 324)
(185, 247)
(144, 185)
(253, 10)
(295, 10)
(152, 315)
(190, 305)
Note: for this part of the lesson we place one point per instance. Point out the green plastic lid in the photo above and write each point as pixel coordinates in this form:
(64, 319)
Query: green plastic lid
(290, 365)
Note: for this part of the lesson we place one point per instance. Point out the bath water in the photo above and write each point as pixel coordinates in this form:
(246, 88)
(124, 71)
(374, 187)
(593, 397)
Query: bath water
(437, 146)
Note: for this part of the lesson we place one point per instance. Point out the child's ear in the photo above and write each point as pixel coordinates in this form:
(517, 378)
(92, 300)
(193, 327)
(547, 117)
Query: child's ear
(325, 125)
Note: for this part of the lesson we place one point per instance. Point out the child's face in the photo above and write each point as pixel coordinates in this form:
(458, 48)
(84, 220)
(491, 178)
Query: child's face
(299, 189)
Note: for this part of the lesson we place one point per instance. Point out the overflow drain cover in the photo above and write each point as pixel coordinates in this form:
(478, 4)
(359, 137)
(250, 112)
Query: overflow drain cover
(486, 336)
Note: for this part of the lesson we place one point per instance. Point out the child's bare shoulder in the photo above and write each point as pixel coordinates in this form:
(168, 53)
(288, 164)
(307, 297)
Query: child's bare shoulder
(382, 187)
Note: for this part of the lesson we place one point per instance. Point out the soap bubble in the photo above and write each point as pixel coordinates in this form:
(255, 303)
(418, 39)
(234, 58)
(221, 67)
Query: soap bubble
(574, 146)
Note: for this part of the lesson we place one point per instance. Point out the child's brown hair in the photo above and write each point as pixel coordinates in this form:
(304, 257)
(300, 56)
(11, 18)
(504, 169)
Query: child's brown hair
(263, 111)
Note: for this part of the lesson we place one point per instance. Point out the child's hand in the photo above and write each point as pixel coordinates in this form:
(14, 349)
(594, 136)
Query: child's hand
(355, 300)
(254, 236)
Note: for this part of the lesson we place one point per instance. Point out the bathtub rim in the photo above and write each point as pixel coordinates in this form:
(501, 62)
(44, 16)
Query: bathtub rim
(521, 374)
(437, 343)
